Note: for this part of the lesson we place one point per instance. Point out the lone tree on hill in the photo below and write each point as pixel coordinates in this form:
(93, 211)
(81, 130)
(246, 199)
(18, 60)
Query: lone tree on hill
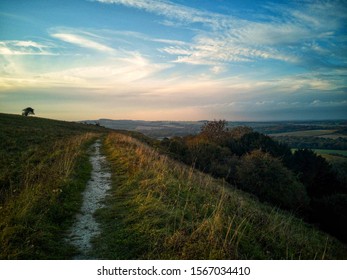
(28, 111)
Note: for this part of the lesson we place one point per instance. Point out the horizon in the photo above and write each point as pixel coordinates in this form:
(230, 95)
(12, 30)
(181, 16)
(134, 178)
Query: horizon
(251, 121)
(150, 60)
(168, 120)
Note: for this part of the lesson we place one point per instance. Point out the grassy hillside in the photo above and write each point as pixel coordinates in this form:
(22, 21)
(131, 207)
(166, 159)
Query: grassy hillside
(157, 209)
(43, 169)
(160, 209)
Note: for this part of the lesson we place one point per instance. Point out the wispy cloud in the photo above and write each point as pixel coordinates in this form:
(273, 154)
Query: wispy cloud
(115, 74)
(16, 47)
(173, 11)
(298, 34)
(83, 41)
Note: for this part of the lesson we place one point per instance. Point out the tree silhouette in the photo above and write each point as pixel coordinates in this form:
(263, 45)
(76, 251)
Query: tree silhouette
(214, 131)
(28, 111)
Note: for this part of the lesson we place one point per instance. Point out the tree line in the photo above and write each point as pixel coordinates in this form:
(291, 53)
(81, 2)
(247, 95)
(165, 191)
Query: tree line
(301, 182)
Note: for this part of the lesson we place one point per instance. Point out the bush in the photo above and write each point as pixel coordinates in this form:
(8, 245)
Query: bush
(176, 148)
(209, 157)
(266, 177)
(256, 140)
(315, 173)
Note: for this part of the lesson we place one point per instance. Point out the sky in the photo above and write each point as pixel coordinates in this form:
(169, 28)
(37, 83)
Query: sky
(241, 60)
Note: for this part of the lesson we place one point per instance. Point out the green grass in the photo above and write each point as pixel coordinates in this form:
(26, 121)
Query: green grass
(160, 209)
(324, 152)
(330, 152)
(44, 168)
(21, 139)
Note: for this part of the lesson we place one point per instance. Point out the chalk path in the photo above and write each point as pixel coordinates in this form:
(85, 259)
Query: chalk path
(85, 226)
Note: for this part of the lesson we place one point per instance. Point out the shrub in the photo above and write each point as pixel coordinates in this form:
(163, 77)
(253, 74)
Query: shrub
(208, 156)
(315, 173)
(267, 178)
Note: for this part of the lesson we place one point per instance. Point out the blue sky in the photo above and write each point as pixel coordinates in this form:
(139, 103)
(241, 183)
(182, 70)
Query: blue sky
(174, 60)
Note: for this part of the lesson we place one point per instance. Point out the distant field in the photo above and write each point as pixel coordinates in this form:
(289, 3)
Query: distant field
(316, 132)
(331, 152)
(332, 129)
(328, 152)
(334, 159)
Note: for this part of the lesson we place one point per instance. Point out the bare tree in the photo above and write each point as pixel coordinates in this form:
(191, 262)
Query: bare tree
(28, 111)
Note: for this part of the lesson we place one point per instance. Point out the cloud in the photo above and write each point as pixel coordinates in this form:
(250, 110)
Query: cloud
(218, 69)
(220, 49)
(173, 11)
(83, 41)
(112, 75)
(296, 33)
(321, 14)
(16, 47)
(114, 67)
(171, 42)
(319, 103)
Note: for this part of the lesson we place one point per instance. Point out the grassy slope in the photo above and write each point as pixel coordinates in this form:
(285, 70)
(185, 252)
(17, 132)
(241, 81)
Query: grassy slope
(160, 209)
(157, 209)
(43, 169)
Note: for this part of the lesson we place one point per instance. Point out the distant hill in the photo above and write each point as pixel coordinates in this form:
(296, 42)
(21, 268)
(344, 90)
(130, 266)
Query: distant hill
(161, 129)
(155, 129)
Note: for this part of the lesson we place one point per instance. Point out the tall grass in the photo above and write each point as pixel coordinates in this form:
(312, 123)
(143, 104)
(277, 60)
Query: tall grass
(44, 167)
(26, 139)
(33, 221)
(161, 209)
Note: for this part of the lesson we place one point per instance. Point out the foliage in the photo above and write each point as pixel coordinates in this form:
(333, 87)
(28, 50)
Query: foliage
(28, 111)
(315, 173)
(231, 155)
(214, 131)
(218, 132)
(339, 167)
(255, 140)
(176, 147)
(266, 177)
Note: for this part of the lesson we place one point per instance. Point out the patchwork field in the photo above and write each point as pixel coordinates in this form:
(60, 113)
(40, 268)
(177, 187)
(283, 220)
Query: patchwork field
(323, 152)
(325, 133)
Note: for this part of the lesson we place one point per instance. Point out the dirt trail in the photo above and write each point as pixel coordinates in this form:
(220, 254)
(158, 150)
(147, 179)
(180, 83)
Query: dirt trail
(85, 227)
